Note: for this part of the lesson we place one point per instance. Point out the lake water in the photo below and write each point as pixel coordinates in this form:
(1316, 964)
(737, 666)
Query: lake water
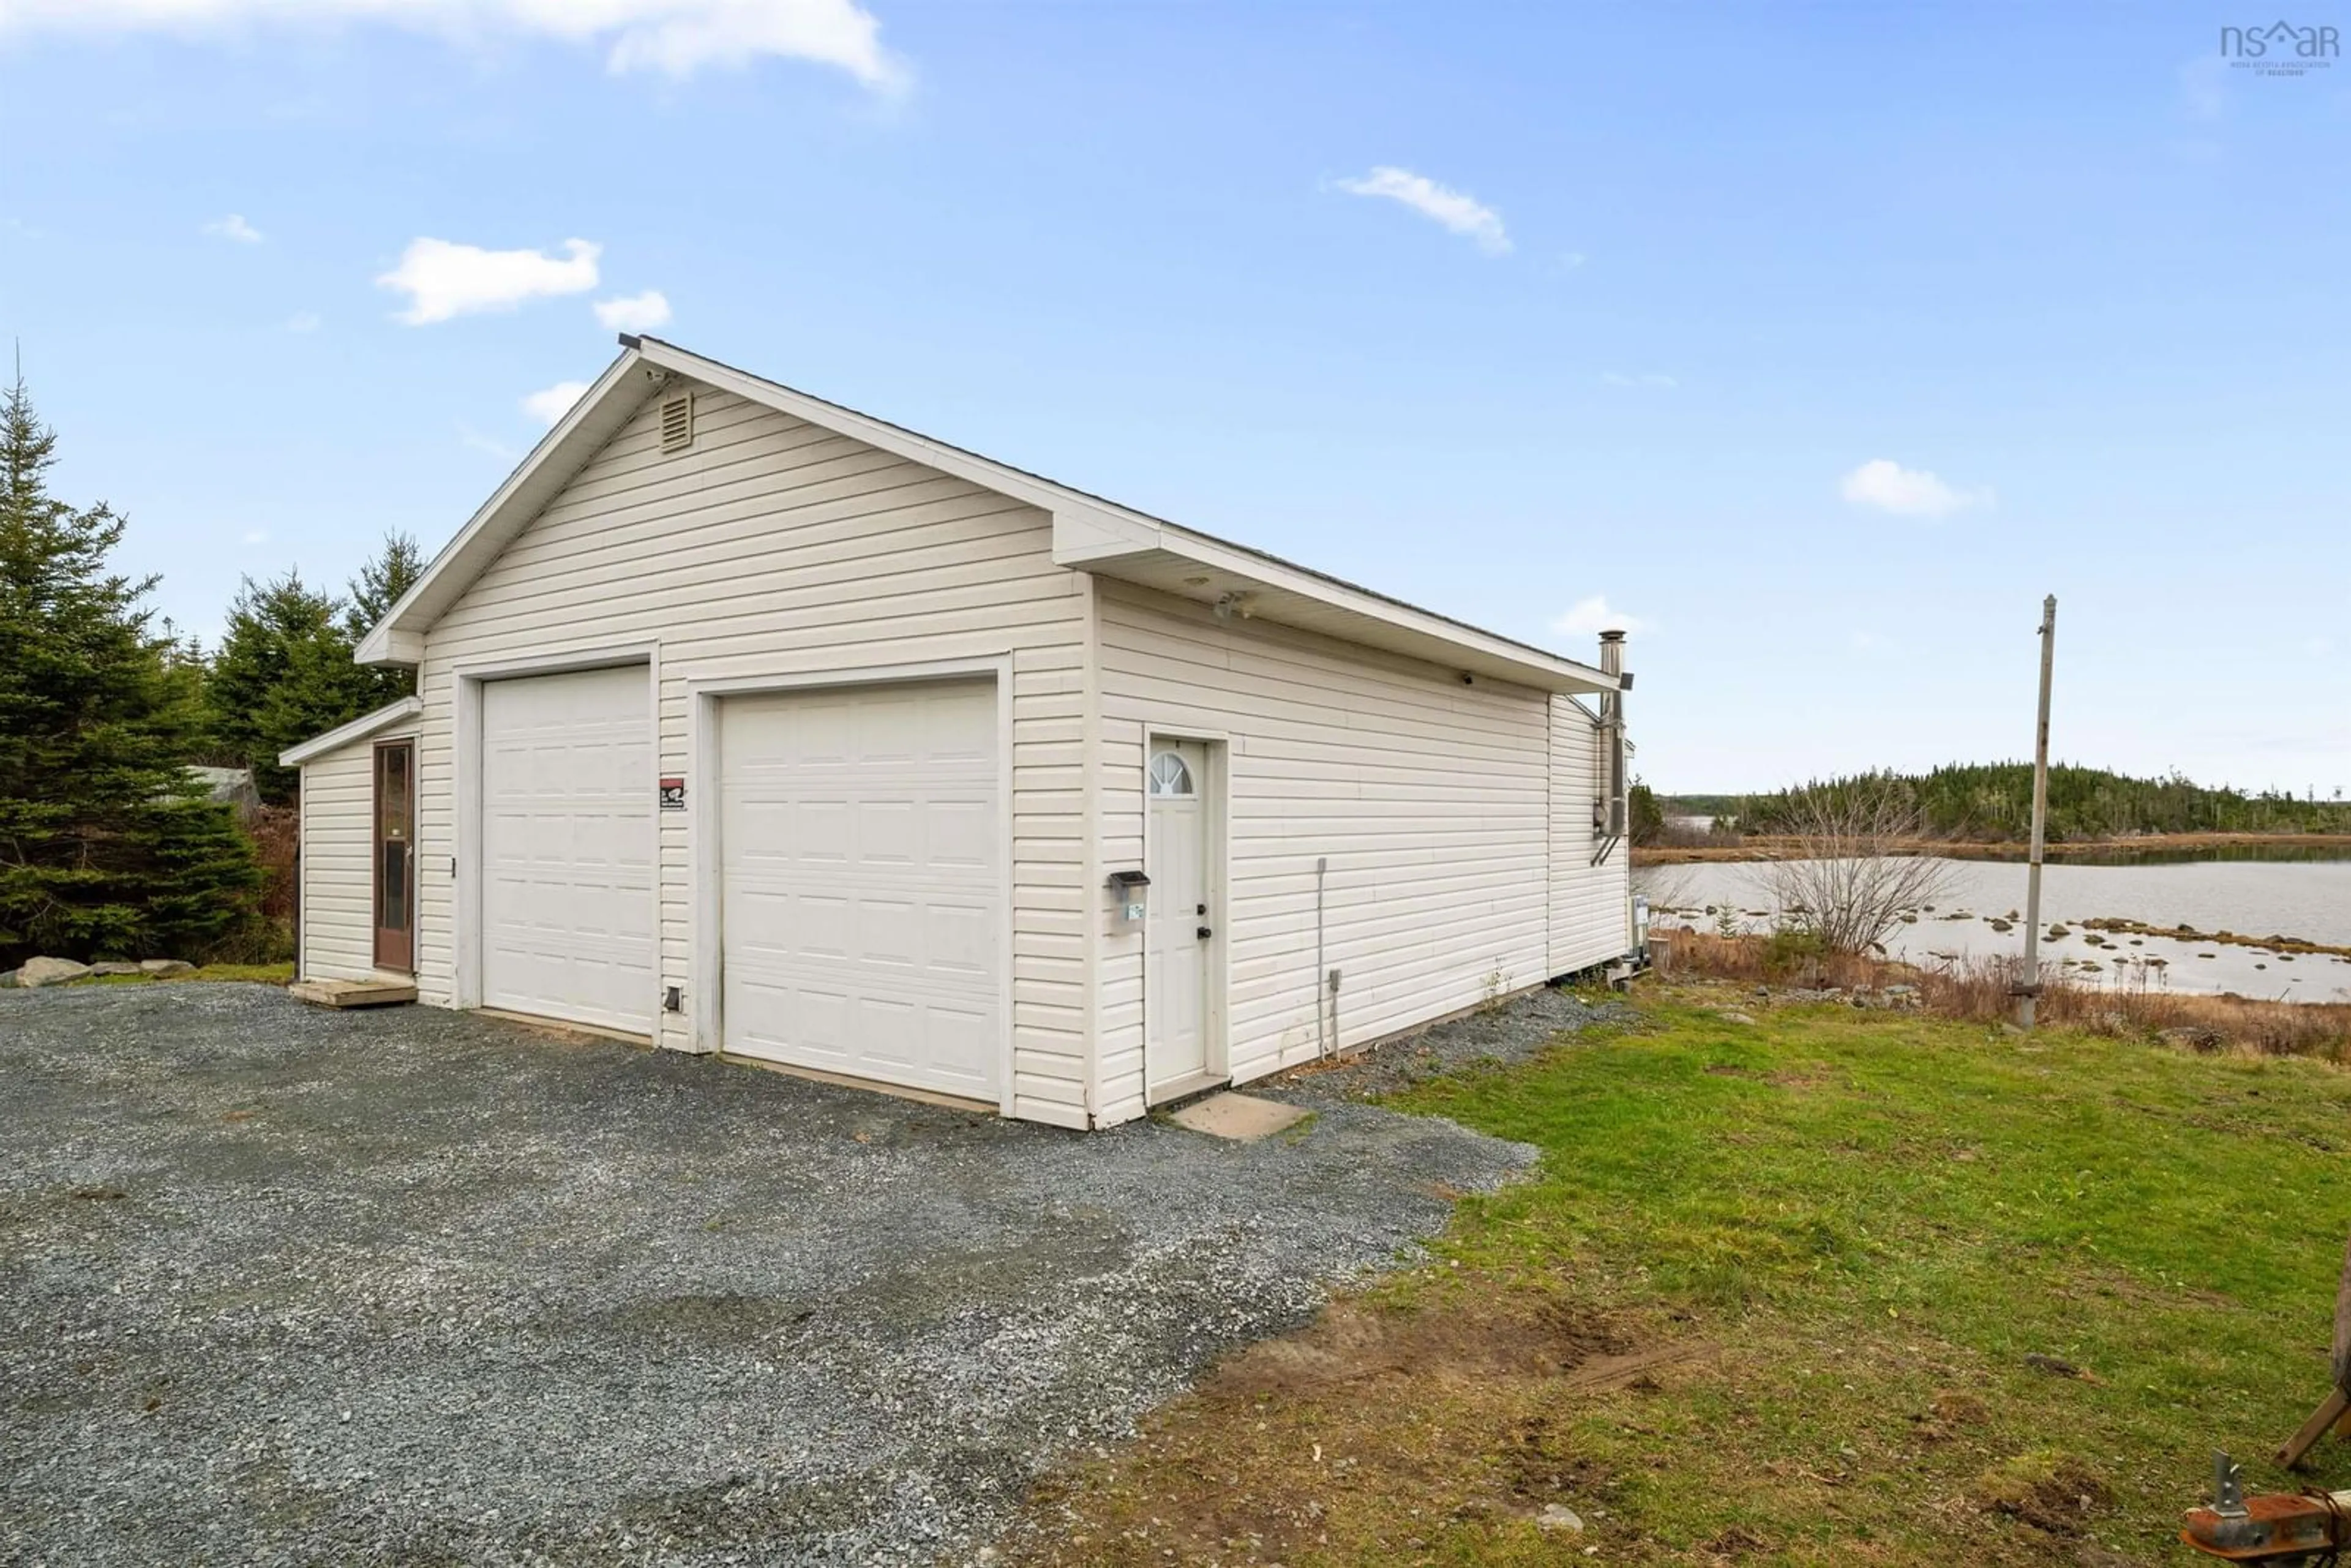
(2310, 899)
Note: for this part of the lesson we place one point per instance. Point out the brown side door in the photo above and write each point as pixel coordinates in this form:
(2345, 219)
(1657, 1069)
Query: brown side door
(395, 856)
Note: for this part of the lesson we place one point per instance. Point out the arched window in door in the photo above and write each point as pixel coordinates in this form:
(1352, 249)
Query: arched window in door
(1170, 776)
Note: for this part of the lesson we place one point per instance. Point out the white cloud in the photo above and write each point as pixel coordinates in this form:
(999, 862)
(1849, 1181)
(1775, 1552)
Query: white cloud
(554, 403)
(1648, 378)
(1888, 486)
(474, 440)
(633, 313)
(673, 37)
(305, 322)
(442, 279)
(2204, 87)
(256, 535)
(1589, 617)
(234, 226)
(1458, 211)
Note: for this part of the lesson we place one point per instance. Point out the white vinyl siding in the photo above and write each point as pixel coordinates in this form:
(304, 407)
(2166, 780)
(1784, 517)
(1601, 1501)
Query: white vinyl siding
(1431, 798)
(775, 547)
(1590, 914)
(337, 888)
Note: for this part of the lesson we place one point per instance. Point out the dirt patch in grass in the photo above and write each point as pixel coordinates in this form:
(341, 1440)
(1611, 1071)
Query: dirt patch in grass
(1356, 1340)
(1377, 1428)
(2054, 1493)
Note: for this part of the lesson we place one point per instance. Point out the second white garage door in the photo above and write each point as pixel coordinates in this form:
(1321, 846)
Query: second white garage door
(861, 898)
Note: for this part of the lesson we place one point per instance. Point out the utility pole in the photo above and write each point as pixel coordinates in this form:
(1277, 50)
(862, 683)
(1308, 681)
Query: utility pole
(2029, 994)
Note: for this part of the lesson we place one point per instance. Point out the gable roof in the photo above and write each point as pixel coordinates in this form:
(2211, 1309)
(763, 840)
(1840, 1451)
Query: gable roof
(1090, 534)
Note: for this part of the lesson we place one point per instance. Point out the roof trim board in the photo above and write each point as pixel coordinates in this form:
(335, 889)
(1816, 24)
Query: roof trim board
(358, 729)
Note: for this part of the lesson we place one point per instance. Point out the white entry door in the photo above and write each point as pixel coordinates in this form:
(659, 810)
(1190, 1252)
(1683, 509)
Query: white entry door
(567, 875)
(1181, 922)
(861, 853)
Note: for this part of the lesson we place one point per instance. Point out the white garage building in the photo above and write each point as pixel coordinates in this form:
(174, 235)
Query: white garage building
(749, 723)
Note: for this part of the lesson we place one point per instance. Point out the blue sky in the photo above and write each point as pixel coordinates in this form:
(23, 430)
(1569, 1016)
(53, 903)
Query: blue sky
(1818, 341)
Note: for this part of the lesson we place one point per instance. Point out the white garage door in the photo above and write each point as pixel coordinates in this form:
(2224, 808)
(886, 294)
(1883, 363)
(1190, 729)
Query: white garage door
(861, 895)
(568, 847)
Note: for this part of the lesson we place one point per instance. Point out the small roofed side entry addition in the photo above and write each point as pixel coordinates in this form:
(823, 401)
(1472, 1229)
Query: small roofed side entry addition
(1182, 923)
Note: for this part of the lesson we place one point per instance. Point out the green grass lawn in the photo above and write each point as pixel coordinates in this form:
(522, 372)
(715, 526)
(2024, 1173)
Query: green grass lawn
(279, 974)
(1771, 1298)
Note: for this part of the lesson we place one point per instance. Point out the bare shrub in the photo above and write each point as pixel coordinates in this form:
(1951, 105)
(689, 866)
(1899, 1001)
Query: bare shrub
(1850, 882)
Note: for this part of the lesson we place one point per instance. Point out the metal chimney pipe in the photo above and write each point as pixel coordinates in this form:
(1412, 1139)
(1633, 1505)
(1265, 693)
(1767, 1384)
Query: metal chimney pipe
(1611, 812)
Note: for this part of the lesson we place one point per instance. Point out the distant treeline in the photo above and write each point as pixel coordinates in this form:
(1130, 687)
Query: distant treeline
(1995, 802)
(1703, 805)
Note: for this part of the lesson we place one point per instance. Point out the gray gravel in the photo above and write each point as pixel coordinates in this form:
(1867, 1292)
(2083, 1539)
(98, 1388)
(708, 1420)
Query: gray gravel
(1502, 1036)
(281, 1286)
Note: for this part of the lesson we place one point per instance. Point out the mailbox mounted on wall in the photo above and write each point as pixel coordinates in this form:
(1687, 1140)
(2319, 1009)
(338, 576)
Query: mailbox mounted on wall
(1129, 885)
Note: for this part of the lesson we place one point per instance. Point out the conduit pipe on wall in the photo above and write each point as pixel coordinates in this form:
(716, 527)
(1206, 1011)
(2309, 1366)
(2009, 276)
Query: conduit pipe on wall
(1321, 1033)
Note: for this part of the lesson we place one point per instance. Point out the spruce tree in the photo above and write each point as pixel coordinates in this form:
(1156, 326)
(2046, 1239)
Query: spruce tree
(107, 847)
(373, 592)
(285, 673)
(282, 673)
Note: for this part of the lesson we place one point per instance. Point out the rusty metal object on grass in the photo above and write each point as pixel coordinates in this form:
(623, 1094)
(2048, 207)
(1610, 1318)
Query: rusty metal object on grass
(2274, 1527)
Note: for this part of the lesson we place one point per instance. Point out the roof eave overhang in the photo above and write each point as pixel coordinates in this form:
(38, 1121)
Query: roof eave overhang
(1251, 586)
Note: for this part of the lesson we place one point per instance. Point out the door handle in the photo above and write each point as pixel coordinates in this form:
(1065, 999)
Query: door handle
(1205, 933)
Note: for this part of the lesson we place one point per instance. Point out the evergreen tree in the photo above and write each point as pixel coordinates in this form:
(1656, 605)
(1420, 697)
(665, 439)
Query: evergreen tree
(107, 847)
(374, 591)
(1647, 823)
(285, 671)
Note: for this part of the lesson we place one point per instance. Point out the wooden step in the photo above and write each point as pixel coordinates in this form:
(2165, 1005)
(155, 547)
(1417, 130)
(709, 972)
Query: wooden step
(383, 992)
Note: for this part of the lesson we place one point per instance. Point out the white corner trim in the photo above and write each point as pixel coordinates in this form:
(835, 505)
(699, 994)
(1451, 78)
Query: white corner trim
(344, 734)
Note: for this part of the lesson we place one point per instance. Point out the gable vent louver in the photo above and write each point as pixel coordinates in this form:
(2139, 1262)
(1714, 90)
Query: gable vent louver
(677, 421)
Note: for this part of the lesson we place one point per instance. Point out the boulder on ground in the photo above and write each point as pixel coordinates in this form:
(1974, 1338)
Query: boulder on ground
(115, 966)
(50, 971)
(165, 967)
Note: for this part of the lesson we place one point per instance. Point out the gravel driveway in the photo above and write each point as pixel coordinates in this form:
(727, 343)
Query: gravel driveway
(281, 1286)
